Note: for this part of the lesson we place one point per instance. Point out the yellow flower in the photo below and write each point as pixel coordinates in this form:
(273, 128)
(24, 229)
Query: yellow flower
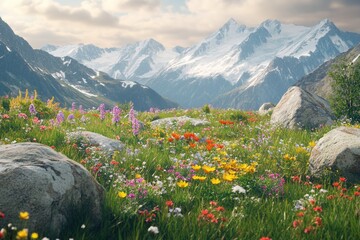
(137, 176)
(215, 181)
(312, 144)
(208, 169)
(229, 177)
(22, 234)
(24, 215)
(34, 235)
(196, 167)
(200, 178)
(122, 194)
(182, 184)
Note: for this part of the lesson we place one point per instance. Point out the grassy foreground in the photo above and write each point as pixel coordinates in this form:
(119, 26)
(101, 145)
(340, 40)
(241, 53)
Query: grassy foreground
(236, 178)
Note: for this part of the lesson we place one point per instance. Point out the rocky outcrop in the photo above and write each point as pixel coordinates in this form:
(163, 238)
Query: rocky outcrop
(266, 108)
(55, 190)
(178, 120)
(338, 150)
(299, 108)
(107, 145)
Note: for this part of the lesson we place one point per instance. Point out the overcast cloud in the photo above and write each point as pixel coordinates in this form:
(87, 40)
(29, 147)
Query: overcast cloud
(109, 23)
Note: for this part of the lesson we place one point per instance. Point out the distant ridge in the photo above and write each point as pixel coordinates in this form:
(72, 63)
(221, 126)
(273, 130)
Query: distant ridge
(22, 67)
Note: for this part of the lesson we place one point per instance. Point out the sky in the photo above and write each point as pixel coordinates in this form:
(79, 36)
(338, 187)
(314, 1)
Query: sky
(115, 23)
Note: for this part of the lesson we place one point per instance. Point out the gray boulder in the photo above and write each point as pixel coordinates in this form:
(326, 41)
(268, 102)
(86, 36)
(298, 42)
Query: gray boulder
(106, 144)
(266, 108)
(299, 108)
(338, 150)
(55, 190)
(168, 122)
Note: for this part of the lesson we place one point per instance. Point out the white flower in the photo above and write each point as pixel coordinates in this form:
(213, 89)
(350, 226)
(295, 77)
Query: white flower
(153, 230)
(83, 226)
(323, 191)
(238, 189)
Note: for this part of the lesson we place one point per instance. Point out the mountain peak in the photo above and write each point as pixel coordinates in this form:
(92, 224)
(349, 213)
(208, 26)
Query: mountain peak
(152, 44)
(231, 26)
(326, 23)
(273, 26)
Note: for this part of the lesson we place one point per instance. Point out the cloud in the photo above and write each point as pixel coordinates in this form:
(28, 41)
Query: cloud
(109, 23)
(54, 11)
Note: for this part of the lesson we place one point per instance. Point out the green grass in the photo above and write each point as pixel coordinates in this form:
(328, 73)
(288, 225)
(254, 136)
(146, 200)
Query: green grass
(248, 149)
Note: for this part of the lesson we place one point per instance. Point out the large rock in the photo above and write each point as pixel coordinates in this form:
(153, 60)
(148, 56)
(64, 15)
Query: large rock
(178, 120)
(339, 150)
(106, 144)
(266, 108)
(299, 108)
(55, 190)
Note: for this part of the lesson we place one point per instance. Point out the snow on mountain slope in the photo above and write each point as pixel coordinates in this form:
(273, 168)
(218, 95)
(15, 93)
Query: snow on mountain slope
(236, 66)
(259, 63)
(133, 61)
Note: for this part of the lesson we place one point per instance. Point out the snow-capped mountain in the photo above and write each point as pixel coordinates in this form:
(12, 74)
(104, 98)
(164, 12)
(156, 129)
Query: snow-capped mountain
(137, 61)
(22, 67)
(237, 66)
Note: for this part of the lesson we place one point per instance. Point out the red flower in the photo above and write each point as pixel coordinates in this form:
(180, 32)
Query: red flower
(317, 209)
(308, 229)
(336, 184)
(357, 194)
(220, 209)
(342, 179)
(210, 216)
(265, 238)
(319, 186)
(318, 221)
(330, 197)
(296, 223)
(113, 162)
(213, 203)
(204, 212)
(1, 235)
(169, 203)
(296, 179)
(300, 214)
(2, 215)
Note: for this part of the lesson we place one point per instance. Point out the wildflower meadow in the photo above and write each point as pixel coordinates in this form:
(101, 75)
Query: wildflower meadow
(236, 178)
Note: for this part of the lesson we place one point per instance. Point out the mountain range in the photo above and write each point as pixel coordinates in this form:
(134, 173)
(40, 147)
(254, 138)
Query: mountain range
(22, 67)
(235, 67)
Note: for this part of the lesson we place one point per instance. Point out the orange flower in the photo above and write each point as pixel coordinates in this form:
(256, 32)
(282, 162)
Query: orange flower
(169, 203)
(175, 135)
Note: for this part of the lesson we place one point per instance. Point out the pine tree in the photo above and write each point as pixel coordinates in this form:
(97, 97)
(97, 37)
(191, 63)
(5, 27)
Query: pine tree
(345, 99)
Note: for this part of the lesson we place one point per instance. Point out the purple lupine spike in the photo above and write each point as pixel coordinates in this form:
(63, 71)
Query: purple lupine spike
(102, 111)
(32, 109)
(116, 114)
(60, 117)
(73, 106)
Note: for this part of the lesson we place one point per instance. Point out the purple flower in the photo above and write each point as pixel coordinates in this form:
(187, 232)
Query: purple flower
(73, 106)
(131, 195)
(116, 114)
(32, 109)
(102, 111)
(60, 117)
(71, 117)
(134, 122)
(81, 110)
